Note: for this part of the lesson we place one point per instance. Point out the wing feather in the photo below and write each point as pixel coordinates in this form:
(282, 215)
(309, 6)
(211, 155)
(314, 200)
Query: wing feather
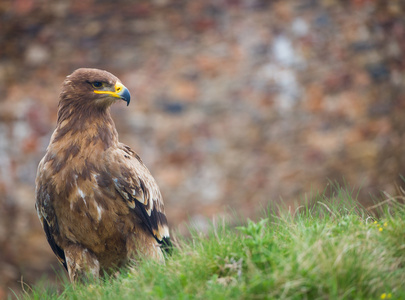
(139, 189)
(60, 254)
(48, 221)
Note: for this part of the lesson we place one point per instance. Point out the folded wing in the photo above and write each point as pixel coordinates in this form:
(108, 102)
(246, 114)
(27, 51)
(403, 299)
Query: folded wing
(139, 189)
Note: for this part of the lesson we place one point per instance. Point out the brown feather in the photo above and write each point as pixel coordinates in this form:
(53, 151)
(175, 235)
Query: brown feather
(98, 203)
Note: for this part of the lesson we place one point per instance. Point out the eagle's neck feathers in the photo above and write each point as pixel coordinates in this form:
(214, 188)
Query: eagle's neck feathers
(78, 148)
(87, 126)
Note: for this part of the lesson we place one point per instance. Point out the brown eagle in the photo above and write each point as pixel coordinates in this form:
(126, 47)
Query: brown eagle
(97, 202)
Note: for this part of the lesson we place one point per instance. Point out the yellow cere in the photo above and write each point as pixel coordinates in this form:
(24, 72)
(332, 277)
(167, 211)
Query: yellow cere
(118, 88)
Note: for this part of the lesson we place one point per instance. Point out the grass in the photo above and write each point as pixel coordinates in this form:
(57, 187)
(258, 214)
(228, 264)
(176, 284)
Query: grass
(329, 249)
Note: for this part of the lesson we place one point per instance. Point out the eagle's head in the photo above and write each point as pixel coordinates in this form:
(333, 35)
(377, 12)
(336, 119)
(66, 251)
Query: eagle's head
(92, 88)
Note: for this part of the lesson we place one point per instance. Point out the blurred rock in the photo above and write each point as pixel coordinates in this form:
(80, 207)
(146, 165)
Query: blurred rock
(36, 55)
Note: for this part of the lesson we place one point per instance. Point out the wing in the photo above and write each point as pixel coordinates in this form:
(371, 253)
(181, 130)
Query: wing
(47, 217)
(139, 189)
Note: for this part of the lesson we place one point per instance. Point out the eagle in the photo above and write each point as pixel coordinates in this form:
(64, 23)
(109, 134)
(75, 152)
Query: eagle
(97, 202)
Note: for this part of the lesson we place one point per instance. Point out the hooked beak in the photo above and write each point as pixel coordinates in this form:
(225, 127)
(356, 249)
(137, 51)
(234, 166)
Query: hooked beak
(120, 91)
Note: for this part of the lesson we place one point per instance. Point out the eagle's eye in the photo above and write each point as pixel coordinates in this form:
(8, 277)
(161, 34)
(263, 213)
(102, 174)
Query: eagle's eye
(97, 84)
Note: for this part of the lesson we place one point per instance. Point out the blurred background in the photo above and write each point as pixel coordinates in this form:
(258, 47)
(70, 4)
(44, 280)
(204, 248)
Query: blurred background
(236, 103)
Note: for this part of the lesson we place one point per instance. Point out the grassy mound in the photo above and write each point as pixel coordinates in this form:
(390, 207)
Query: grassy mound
(330, 249)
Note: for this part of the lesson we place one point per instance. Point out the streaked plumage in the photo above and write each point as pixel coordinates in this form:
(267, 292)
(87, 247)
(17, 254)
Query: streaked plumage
(97, 202)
